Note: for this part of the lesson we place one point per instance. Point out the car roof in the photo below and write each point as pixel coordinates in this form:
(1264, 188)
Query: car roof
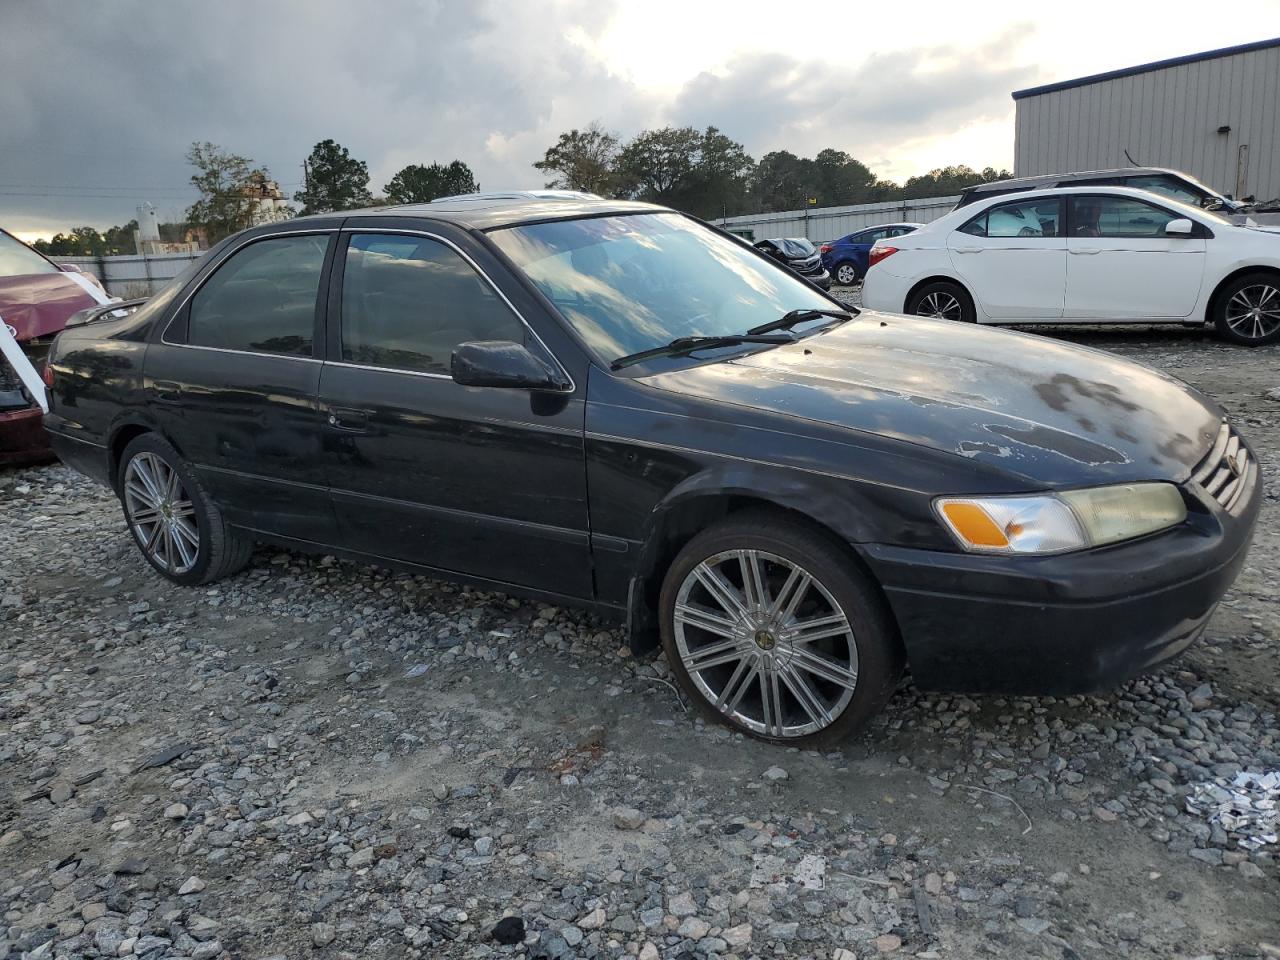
(986, 203)
(548, 194)
(881, 226)
(495, 211)
(1085, 188)
(1076, 175)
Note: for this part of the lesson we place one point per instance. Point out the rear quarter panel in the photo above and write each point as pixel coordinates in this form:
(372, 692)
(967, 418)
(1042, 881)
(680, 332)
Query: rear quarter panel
(97, 390)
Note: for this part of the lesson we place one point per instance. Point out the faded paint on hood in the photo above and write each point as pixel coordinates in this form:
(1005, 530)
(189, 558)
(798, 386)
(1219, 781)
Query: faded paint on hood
(39, 304)
(1050, 412)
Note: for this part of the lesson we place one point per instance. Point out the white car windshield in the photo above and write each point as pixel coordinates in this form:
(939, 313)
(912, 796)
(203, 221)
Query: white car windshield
(633, 282)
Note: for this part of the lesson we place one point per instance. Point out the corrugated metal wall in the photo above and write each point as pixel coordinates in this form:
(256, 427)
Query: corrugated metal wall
(830, 223)
(1167, 117)
(134, 276)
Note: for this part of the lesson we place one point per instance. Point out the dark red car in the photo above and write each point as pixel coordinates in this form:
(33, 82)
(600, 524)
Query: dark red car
(37, 297)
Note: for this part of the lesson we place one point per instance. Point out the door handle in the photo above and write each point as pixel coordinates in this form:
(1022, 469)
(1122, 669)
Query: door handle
(1086, 252)
(967, 249)
(166, 391)
(349, 420)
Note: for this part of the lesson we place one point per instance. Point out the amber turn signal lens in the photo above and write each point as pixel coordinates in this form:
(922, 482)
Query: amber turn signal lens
(973, 524)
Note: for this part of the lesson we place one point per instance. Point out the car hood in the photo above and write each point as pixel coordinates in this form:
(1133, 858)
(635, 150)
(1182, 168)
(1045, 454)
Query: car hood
(793, 248)
(1051, 413)
(39, 304)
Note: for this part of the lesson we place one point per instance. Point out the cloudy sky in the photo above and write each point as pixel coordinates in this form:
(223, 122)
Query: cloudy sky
(100, 101)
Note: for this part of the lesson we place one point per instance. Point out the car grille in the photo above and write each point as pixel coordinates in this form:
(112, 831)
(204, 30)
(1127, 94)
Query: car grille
(1225, 472)
(809, 267)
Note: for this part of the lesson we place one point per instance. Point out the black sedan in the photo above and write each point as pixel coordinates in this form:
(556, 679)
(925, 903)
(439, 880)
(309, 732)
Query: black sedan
(614, 405)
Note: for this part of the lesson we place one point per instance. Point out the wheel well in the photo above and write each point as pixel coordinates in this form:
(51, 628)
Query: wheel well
(123, 437)
(681, 524)
(928, 280)
(1212, 305)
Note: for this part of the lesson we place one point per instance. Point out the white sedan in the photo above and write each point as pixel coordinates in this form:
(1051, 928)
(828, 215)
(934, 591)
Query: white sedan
(1084, 255)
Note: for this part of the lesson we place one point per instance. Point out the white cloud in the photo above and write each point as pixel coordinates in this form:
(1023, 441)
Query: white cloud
(100, 101)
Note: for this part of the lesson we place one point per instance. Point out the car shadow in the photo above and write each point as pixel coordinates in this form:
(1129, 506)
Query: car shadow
(1107, 335)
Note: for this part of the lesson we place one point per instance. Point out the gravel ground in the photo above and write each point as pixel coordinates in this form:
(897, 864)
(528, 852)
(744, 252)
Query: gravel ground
(318, 759)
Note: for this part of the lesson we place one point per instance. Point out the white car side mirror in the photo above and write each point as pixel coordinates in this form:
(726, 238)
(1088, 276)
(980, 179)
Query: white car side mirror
(1182, 227)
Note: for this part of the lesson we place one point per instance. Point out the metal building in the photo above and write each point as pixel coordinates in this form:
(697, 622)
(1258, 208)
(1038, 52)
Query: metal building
(1214, 115)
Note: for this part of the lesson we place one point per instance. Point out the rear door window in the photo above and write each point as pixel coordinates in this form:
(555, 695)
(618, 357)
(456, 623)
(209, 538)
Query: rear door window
(262, 299)
(408, 301)
(1040, 217)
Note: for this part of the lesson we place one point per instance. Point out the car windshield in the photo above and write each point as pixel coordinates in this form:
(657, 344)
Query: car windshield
(19, 260)
(630, 283)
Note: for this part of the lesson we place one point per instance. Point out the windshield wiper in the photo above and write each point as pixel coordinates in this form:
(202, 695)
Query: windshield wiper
(792, 317)
(686, 344)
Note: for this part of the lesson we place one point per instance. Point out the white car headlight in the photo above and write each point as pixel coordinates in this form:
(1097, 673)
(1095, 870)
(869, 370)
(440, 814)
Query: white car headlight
(1060, 522)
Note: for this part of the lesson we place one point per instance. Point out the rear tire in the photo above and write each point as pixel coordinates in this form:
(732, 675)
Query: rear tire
(942, 300)
(846, 274)
(1247, 310)
(179, 529)
(804, 652)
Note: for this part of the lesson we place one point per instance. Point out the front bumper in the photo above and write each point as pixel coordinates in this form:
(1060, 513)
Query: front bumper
(822, 279)
(22, 437)
(1071, 623)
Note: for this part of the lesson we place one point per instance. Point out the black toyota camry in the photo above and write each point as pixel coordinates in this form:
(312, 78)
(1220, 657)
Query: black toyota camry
(614, 405)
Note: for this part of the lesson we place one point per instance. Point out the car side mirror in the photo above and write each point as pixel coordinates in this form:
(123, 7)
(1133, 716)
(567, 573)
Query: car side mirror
(501, 363)
(1182, 227)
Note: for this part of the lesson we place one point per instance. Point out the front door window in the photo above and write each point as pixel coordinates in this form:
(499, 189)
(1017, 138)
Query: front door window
(407, 301)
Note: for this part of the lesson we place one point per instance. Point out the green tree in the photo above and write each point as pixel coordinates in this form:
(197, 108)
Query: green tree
(658, 165)
(80, 242)
(945, 181)
(583, 160)
(705, 173)
(839, 179)
(119, 239)
(335, 180)
(422, 184)
(721, 178)
(781, 181)
(228, 188)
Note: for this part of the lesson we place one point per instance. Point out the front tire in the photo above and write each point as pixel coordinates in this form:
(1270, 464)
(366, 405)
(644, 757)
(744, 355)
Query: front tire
(772, 630)
(942, 300)
(178, 528)
(1247, 311)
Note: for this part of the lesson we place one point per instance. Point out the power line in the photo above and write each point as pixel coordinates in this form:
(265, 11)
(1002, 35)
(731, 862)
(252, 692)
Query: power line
(141, 194)
(95, 186)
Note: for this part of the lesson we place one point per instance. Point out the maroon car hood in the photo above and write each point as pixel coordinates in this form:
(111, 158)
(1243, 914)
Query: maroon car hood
(39, 304)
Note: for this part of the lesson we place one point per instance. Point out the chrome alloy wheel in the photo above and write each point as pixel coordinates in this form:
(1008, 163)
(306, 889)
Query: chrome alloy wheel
(160, 513)
(846, 275)
(940, 305)
(766, 643)
(1254, 311)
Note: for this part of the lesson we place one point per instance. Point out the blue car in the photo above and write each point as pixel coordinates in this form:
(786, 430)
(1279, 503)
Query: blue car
(846, 258)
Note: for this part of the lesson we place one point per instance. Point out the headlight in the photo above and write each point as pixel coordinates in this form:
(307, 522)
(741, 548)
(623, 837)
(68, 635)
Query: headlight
(1057, 523)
